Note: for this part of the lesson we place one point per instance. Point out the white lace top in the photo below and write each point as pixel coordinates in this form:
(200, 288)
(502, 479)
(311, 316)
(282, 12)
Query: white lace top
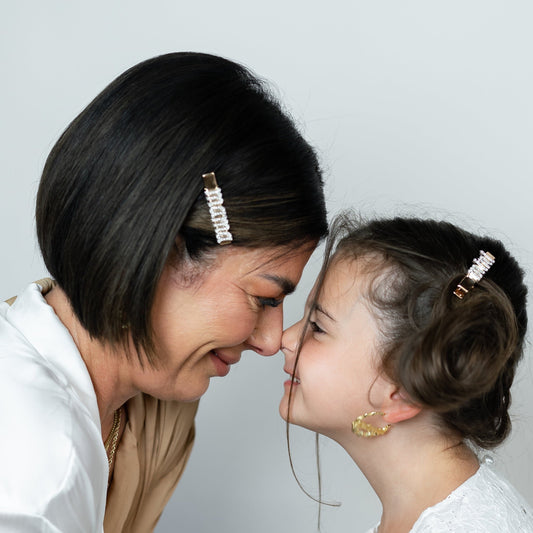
(484, 503)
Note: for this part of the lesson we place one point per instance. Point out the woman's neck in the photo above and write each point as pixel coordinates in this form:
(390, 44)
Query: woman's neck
(411, 471)
(108, 369)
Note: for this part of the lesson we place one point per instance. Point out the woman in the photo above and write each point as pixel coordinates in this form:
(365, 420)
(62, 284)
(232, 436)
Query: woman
(175, 213)
(406, 360)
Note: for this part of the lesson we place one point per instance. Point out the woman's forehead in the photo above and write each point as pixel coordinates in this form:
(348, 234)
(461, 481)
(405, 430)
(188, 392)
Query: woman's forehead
(280, 265)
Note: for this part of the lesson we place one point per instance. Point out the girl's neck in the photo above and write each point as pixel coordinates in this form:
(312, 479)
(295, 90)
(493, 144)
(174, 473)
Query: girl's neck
(410, 474)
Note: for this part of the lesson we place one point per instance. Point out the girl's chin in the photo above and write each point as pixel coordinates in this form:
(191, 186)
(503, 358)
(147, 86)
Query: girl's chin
(284, 403)
(283, 408)
(284, 414)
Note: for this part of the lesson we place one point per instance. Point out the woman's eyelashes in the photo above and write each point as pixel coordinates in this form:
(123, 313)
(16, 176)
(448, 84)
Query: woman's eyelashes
(269, 302)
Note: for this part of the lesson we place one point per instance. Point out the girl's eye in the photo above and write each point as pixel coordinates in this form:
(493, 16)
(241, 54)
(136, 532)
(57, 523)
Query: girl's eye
(315, 328)
(269, 302)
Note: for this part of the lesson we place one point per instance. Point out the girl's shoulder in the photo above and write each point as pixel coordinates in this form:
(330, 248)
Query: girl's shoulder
(484, 503)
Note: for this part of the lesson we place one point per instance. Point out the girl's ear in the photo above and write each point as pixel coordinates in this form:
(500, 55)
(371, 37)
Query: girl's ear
(397, 407)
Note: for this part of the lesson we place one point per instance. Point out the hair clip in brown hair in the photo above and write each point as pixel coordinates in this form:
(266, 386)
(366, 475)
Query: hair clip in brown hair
(219, 218)
(475, 273)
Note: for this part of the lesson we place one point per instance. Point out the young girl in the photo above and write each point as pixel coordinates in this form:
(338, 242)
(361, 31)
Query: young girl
(406, 357)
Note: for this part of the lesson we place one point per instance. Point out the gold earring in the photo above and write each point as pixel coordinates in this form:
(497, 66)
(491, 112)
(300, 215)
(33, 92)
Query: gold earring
(364, 429)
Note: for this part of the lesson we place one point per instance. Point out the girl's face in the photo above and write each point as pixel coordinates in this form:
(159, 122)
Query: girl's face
(201, 328)
(337, 364)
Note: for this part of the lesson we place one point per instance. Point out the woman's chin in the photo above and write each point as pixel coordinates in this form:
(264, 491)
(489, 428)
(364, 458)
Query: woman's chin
(194, 394)
(190, 393)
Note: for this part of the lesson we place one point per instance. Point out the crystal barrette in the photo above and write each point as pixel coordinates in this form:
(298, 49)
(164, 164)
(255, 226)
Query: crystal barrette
(219, 218)
(475, 273)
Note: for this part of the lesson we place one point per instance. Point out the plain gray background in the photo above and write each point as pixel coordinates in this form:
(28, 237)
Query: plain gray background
(418, 107)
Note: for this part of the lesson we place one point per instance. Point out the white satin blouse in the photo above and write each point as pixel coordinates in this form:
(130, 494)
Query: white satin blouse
(53, 466)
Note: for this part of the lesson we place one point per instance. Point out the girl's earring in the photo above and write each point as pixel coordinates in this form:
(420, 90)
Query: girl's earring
(364, 429)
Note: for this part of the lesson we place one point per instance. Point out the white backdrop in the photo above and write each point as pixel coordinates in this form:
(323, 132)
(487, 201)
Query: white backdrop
(415, 106)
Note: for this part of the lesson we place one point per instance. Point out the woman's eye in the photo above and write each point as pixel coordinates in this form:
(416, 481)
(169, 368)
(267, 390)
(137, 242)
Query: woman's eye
(315, 327)
(269, 302)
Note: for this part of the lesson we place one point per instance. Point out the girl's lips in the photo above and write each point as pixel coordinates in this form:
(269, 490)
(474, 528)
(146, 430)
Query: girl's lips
(296, 378)
(295, 382)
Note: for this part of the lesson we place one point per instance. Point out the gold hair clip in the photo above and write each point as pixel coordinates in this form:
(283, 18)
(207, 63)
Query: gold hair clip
(475, 273)
(217, 210)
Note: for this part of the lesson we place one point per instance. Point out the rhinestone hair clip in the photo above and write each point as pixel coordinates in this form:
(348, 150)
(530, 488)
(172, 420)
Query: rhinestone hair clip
(219, 218)
(475, 273)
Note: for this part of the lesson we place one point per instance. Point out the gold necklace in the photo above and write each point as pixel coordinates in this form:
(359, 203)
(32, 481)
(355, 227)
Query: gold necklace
(111, 442)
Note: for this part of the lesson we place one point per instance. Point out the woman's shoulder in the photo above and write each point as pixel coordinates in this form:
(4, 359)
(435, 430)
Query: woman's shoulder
(50, 457)
(484, 503)
(51, 451)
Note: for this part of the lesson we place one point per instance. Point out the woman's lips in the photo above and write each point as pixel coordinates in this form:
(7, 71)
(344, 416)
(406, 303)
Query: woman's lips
(222, 363)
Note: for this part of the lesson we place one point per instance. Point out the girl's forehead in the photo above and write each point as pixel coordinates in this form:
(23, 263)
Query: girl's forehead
(345, 281)
(346, 273)
(351, 281)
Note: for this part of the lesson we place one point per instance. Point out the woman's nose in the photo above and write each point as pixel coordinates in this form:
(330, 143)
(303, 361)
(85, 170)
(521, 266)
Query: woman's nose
(266, 337)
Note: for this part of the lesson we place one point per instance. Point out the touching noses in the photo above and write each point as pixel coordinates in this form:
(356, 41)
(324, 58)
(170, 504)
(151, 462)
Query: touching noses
(266, 337)
(289, 341)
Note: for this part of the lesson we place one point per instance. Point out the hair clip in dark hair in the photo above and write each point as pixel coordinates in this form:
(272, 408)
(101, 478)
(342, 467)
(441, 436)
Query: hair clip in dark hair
(475, 273)
(217, 210)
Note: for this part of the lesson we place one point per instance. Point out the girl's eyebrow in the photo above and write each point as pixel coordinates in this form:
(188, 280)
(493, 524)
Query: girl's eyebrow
(320, 309)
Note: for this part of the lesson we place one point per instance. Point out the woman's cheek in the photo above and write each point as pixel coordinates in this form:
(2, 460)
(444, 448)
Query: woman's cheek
(244, 329)
(231, 333)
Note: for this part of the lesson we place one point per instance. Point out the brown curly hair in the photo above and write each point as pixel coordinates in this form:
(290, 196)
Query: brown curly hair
(455, 357)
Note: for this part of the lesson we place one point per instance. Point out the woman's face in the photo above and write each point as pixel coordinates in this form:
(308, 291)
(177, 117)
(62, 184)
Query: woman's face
(336, 368)
(202, 327)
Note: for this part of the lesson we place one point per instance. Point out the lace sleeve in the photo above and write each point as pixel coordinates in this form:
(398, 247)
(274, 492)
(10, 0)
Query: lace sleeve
(485, 503)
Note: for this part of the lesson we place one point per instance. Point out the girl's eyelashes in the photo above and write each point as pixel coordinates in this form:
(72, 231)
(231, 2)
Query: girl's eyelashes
(315, 328)
(313, 324)
(269, 302)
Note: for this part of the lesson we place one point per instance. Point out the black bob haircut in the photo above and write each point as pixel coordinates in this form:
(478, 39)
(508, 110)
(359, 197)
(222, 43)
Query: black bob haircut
(123, 184)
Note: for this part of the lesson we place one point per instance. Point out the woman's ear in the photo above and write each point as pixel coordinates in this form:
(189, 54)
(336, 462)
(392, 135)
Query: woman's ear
(398, 407)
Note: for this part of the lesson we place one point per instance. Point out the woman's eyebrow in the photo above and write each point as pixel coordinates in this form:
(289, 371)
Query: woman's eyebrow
(285, 284)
